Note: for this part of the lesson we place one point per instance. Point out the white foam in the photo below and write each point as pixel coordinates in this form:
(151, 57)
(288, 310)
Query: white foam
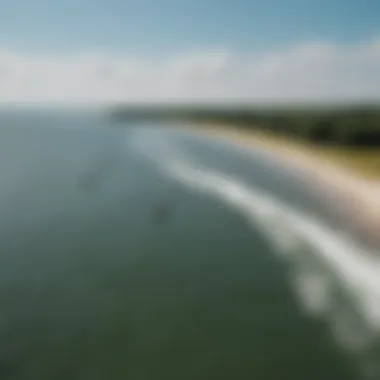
(357, 268)
(292, 231)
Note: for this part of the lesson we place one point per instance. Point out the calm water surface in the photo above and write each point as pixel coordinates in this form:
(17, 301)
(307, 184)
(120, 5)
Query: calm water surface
(244, 275)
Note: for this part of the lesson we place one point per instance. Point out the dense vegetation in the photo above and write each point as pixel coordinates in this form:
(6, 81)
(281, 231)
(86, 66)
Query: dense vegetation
(355, 126)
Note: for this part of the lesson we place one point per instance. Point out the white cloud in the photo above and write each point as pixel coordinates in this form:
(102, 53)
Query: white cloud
(309, 72)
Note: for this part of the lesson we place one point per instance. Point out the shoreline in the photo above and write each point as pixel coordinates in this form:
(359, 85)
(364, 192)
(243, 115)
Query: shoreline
(356, 197)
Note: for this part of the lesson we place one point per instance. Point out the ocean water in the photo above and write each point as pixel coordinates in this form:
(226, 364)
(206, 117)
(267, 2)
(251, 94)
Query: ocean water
(144, 252)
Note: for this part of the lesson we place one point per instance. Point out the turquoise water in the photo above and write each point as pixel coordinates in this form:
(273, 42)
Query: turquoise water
(95, 284)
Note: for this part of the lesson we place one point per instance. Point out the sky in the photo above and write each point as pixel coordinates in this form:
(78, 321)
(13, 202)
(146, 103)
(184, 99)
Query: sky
(97, 52)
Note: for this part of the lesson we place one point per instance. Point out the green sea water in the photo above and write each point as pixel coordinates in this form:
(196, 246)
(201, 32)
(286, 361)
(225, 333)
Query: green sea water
(96, 284)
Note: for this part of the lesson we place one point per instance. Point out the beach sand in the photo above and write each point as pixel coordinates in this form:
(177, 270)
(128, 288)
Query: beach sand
(355, 197)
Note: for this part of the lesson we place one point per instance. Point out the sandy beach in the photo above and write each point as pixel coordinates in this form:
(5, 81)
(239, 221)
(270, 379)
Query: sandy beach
(356, 198)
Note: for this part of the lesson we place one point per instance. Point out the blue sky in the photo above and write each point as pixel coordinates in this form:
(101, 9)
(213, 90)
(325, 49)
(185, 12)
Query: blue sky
(86, 51)
(151, 27)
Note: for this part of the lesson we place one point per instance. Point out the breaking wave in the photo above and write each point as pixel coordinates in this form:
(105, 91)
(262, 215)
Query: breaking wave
(334, 277)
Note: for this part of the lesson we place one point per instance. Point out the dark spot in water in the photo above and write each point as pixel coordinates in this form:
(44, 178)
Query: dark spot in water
(88, 182)
(162, 211)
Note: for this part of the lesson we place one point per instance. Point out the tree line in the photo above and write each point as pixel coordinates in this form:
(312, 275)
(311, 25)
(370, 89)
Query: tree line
(355, 126)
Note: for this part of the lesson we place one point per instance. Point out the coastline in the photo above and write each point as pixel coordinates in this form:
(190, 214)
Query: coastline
(355, 196)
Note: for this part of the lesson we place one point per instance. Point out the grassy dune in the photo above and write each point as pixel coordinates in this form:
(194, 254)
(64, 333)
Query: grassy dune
(363, 163)
(347, 137)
